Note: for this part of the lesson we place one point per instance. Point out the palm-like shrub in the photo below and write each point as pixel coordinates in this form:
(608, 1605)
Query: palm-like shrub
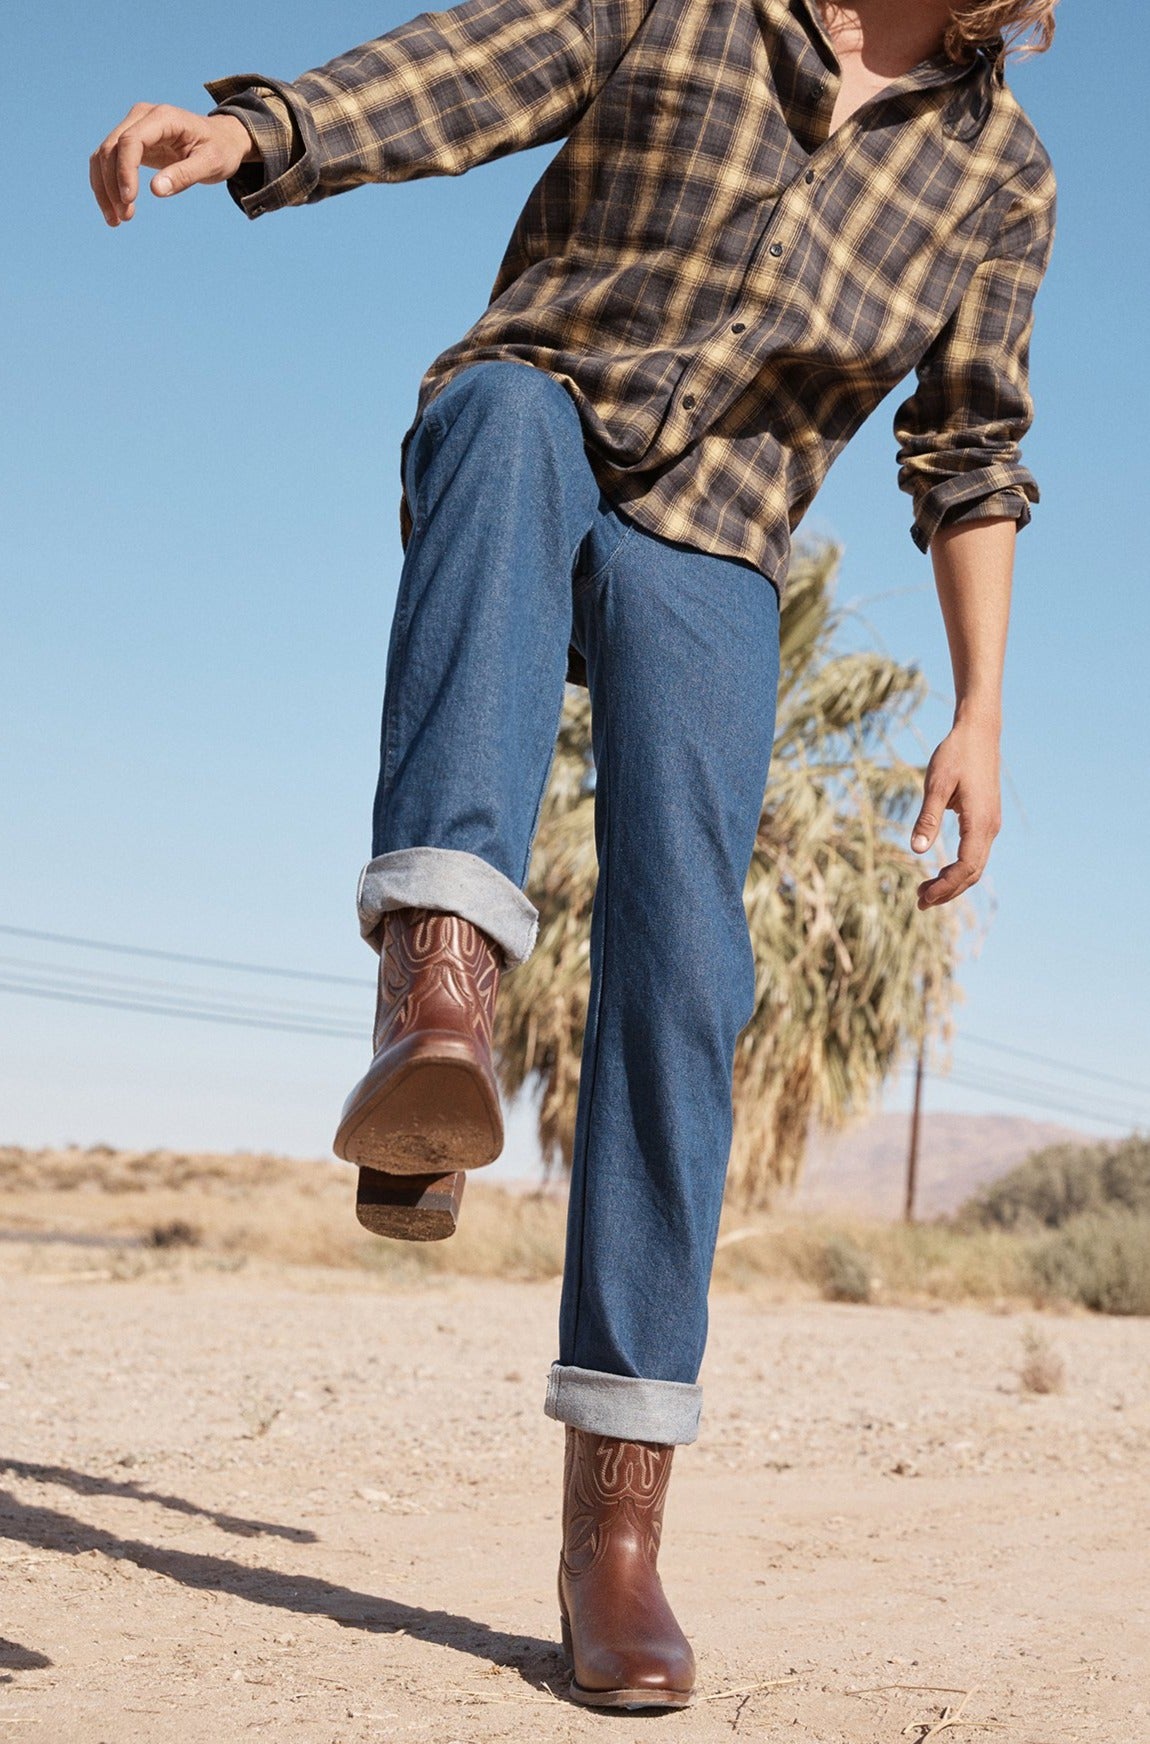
(849, 975)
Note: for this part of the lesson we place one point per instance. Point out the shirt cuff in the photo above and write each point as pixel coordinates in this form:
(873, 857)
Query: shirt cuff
(979, 502)
(284, 173)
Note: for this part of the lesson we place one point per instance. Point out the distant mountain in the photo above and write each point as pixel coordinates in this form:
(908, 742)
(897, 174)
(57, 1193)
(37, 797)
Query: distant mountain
(864, 1168)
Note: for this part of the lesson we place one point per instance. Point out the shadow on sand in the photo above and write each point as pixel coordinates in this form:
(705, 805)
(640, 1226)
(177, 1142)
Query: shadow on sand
(534, 1659)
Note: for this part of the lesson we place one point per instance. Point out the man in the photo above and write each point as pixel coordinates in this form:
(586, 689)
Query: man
(762, 217)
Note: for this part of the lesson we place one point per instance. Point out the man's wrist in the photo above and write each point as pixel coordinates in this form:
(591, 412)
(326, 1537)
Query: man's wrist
(982, 712)
(252, 153)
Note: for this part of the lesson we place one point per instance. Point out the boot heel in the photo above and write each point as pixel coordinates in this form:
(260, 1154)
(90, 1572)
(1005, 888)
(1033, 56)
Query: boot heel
(409, 1207)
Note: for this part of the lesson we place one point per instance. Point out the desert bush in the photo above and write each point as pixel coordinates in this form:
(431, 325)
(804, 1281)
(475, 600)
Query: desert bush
(846, 1272)
(1101, 1259)
(177, 1232)
(1126, 1174)
(1044, 1192)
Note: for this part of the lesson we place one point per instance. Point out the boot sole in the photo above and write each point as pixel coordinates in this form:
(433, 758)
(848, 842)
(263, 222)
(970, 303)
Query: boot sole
(618, 1698)
(409, 1207)
(430, 1112)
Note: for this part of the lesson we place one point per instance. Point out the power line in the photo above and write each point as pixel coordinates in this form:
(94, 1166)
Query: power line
(1045, 1060)
(1028, 1100)
(178, 1000)
(1015, 1081)
(207, 1005)
(237, 967)
(205, 1016)
(180, 957)
(1018, 1091)
(146, 986)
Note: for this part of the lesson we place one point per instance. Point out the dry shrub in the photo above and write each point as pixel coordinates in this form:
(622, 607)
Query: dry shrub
(178, 1232)
(1101, 1259)
(846, 1271)
(1064, 1181)
(1044, 1191)
(1041, 1369)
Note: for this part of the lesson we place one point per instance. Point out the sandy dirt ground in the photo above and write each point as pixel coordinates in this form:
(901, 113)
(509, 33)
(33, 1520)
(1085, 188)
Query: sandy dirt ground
(302, 1504)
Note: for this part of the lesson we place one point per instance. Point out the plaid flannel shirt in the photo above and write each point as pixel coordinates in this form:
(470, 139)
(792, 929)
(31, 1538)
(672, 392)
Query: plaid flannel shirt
(726, 290)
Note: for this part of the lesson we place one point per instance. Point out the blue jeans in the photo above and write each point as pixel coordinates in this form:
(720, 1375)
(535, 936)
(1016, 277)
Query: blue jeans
(513, 553)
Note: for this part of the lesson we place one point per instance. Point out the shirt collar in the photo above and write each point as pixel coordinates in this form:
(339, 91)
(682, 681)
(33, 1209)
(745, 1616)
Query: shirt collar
(934, 69)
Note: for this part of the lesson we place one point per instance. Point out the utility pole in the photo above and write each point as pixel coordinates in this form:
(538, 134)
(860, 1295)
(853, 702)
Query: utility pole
(919, 1074)
(912, 1157)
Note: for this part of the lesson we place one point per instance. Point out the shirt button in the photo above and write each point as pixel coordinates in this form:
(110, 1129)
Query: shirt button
(738, 326)
(776, 248)
(688, 401)
(810, 176)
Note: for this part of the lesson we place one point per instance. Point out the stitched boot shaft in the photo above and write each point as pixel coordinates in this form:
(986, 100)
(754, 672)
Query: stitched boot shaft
(429, 1101)
(627, 1649)
(436, 972)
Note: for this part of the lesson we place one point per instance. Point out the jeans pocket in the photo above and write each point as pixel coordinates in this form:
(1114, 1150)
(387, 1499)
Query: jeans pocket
(623, 531)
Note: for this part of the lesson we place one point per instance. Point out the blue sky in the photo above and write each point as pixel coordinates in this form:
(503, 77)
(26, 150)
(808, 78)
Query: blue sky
(200, 557)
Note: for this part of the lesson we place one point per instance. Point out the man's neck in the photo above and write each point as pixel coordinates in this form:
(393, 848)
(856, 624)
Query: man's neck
(887, 36)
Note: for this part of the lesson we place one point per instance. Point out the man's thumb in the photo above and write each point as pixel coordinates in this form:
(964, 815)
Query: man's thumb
(924, 830)
(189, 170)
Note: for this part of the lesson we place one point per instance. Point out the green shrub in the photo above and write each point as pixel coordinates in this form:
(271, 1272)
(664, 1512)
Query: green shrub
(845, 1271)
(1126, 1174)
(1101, 1259)
(1045, 1191)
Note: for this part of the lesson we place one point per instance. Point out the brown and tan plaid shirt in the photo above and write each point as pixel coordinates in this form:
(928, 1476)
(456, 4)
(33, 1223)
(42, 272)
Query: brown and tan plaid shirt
(726, 291)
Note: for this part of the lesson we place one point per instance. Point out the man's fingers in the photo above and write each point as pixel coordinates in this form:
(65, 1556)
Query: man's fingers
(126, 168)
(96, 181)
(967, 869)
(102, 174)
(104, 168)
(949, 883)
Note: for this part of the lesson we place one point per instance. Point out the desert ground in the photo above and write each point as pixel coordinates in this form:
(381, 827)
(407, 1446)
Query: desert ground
(251, 1488)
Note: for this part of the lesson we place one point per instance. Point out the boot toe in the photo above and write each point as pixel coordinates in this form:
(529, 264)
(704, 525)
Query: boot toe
(646, 1669)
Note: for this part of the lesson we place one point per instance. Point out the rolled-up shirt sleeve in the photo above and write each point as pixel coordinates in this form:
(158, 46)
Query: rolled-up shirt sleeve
(269, 119)
(959, 433)
(436, 95)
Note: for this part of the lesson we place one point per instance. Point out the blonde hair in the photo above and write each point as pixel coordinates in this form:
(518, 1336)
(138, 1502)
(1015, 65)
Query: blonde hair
(1000, 27)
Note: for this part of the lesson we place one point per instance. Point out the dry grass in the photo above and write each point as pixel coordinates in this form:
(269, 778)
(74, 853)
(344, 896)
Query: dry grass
(850, 1258)
(146, 1210)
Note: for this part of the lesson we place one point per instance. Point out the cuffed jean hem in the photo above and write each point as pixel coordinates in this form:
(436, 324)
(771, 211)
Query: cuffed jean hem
(623, 1406)
(452, 880)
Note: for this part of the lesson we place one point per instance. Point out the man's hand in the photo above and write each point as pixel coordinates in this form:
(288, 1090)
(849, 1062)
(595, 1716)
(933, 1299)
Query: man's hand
(962, 776)
(186, 147)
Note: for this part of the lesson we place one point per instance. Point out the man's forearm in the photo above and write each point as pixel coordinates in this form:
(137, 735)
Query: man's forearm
(973, 570)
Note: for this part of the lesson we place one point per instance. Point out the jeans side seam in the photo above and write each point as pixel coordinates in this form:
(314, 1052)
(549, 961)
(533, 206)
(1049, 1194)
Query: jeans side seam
(428, 422)
(605, 876)
(534, 830)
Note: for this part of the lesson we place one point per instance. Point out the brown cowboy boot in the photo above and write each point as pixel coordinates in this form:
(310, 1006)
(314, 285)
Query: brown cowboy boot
(428, 1106)
(625, 1647)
